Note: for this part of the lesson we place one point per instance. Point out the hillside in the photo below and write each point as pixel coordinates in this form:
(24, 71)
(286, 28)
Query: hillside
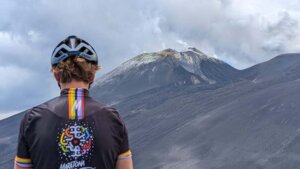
(226, 119)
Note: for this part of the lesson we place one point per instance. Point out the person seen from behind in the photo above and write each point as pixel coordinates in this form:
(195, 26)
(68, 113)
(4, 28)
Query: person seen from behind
(73, 131)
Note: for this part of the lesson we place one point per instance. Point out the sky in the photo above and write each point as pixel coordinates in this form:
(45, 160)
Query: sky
(239, 32)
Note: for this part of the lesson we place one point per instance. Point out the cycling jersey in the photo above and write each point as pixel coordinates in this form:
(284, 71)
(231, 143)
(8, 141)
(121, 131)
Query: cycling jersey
(72, 131)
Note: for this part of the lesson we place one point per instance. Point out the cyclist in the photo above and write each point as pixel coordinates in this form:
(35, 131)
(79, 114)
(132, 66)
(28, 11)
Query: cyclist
(73, 131)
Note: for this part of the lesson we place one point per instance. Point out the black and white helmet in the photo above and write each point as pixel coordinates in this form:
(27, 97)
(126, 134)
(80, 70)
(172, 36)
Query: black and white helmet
(72, 46)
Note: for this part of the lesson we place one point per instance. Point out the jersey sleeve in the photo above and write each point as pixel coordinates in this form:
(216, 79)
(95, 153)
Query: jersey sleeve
(125, 151)
(22, 158)
(124, 148)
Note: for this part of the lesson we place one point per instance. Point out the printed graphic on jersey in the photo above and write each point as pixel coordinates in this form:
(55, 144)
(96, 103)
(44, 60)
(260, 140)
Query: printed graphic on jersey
(76, 103)
(75, 141)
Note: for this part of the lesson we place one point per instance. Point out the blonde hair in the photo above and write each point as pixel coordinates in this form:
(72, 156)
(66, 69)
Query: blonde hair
(75, 68)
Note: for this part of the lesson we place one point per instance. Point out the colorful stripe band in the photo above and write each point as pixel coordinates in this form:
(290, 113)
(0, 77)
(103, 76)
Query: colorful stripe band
(76, 103)
(125, 155)
(23, 162)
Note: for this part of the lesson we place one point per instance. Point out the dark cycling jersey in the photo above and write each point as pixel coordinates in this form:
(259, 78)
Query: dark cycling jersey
(72, 131)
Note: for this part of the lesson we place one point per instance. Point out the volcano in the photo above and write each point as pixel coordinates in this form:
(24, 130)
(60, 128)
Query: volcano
(188, 110)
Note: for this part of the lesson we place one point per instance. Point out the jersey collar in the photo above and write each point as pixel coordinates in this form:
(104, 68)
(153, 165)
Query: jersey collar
(75, 91)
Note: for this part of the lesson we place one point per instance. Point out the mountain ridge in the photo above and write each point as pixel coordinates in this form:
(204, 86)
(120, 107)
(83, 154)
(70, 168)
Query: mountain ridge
(283, 66)
(146, 58)
(166, 67)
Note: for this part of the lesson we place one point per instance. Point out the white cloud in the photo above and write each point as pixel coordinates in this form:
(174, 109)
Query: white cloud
(240, 32)
(246, 31)
(183, 43)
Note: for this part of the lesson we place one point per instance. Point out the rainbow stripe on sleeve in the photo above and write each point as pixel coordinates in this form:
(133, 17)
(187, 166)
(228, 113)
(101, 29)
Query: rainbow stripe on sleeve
(125, 155)
(76, 103)
(23, 162)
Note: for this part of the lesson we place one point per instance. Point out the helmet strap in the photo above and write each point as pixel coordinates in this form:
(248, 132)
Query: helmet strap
(59, 85)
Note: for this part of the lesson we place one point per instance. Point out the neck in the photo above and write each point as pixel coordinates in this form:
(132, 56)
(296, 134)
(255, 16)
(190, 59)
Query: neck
(74, 84)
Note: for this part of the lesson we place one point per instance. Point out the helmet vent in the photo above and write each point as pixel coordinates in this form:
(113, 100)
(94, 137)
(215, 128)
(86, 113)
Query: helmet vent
(86, 51)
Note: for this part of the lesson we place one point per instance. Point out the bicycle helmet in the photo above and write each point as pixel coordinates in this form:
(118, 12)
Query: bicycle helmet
(73, 46)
